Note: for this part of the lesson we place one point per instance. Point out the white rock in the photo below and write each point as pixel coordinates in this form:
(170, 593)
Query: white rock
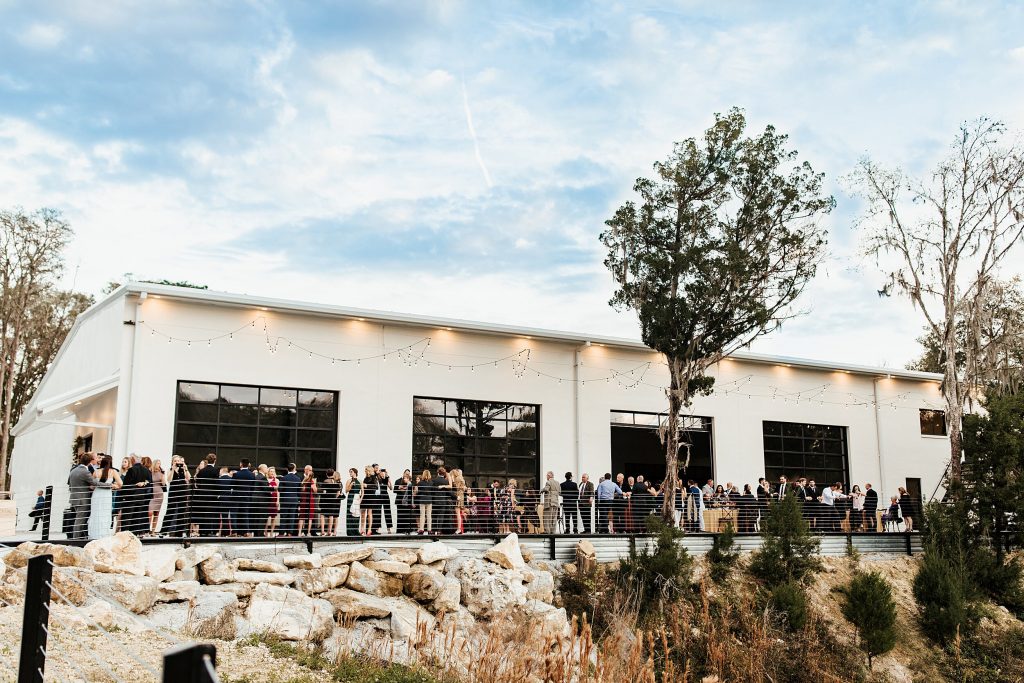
(188, 574)
(273, 578)
(194, 554)
(213, 615)
(489, 590)
(356, 605)
(372, 582)
(424, 584)
(169, 616)
(432, 552)
(177, 591)
(289, 614)
(387, 566)
(315, 581)
(97, 614)
(311, 561)
(63, 555)
(159, 561)
(450, 597)
(407, 620)
(552, 621)
(215, 569)
(250, 564)
(507, 553)
(348, 555)
(541, 585)
(460, 620)
(408, 555)
(117, 554)
(240, 590)
(137, 593)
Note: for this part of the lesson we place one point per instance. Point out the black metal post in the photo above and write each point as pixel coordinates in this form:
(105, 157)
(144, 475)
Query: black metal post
(551, 545)
(36, 620)
(47, 511)
(910, 547)
(191, 663)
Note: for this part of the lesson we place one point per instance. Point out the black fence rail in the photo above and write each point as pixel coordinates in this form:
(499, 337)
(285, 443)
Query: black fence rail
(229, 507)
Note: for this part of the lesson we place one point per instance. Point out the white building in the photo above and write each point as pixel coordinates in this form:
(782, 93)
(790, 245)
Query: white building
(157, 370)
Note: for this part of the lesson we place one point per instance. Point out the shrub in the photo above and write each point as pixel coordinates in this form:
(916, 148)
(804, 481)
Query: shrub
(869, 606)
(589, 596)
(1003, 582)
(788, 550)
(946, 610)
(790, 600)
(722, 557)
(656, 576)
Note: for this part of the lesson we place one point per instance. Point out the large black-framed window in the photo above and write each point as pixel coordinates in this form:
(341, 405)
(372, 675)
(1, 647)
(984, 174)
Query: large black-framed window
(797, 449)
(271, 425)
(487, 440)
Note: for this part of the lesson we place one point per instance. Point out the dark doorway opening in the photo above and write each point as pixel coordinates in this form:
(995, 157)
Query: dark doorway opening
(914, 491)
(637, 449)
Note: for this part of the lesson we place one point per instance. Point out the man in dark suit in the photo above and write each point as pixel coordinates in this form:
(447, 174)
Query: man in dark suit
(783, 489)
(206, 497)
(243, 486)
(288, 490)
(136, 491)
(870, 507)
(586, 502)
(80, 486)
(811, 505)
(570, 504)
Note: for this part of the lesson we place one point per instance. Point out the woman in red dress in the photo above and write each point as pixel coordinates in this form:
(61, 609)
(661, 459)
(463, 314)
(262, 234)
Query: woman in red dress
(307, 500)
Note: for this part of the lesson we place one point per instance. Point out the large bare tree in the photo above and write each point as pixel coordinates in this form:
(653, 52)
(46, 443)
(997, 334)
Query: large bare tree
(723, 241)
(31, 264)
(942, 241)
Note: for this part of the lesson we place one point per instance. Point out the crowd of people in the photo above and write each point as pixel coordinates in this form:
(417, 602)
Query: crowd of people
(251, 500)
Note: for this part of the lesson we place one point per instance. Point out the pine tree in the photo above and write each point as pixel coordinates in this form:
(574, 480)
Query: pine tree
(788, 550)
(869, 606)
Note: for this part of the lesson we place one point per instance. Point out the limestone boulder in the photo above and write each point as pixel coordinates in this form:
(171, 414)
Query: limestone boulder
(586, 557)
(288, 614)
(136, 593)
(527, 554)
(117, 554)
(215, 569)
(212, 615)
(540, 585)
(433, 552)
(239, 590)
(177, 591)
(408, 555)
(195, 554)
(424, 584)
(410, 622)
(273, 578)
(460, 620)
(253, 565)
(311, 561)
(169, 616)
(450, 597)
(365, 580)
(188, 574)
(348, 555)
(388, 566)
(356, 605)
(97, 614)
(550, 623)
(63, 555)
(488, 589)
(160, 561)
(507, 553)
(316, 581)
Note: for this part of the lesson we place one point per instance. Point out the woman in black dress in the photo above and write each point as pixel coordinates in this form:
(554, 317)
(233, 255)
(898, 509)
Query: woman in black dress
(352, 490)
(907, 508)
(330, 504)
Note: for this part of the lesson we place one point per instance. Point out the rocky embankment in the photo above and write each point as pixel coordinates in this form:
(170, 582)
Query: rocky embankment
(350, 598)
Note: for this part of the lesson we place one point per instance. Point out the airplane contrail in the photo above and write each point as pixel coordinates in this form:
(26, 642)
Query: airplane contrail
(472, 134)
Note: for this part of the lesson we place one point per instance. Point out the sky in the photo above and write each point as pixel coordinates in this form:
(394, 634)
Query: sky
(460, 158)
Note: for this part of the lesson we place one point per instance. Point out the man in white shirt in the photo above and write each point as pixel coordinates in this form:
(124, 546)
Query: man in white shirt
(829, 496)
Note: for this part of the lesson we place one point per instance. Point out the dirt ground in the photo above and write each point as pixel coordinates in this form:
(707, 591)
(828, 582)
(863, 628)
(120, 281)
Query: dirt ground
(91, 656)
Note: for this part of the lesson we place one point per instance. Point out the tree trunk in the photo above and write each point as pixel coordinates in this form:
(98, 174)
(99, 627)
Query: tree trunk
(675, 404)
(5, 421)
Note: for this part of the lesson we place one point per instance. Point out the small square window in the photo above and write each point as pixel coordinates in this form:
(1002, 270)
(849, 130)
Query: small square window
(933, 422)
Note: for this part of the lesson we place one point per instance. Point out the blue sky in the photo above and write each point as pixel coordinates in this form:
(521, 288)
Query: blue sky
(459, 158)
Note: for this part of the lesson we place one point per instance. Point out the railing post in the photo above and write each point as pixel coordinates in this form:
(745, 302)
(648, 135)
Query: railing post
(47, 511)
(35, 623)
(551, 541)
(191, 663)
(910, 547)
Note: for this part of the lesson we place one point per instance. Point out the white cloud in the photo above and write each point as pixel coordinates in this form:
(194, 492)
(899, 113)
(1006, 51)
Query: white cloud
(42, 36)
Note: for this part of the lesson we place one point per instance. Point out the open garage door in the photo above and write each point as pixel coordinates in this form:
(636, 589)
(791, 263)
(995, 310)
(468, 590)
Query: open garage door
(637, 449)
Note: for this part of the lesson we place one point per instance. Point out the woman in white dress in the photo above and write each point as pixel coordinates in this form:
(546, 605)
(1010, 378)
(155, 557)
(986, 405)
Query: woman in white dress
(101, 513)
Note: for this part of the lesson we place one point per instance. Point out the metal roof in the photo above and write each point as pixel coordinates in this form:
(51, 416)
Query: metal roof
(230, 299)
